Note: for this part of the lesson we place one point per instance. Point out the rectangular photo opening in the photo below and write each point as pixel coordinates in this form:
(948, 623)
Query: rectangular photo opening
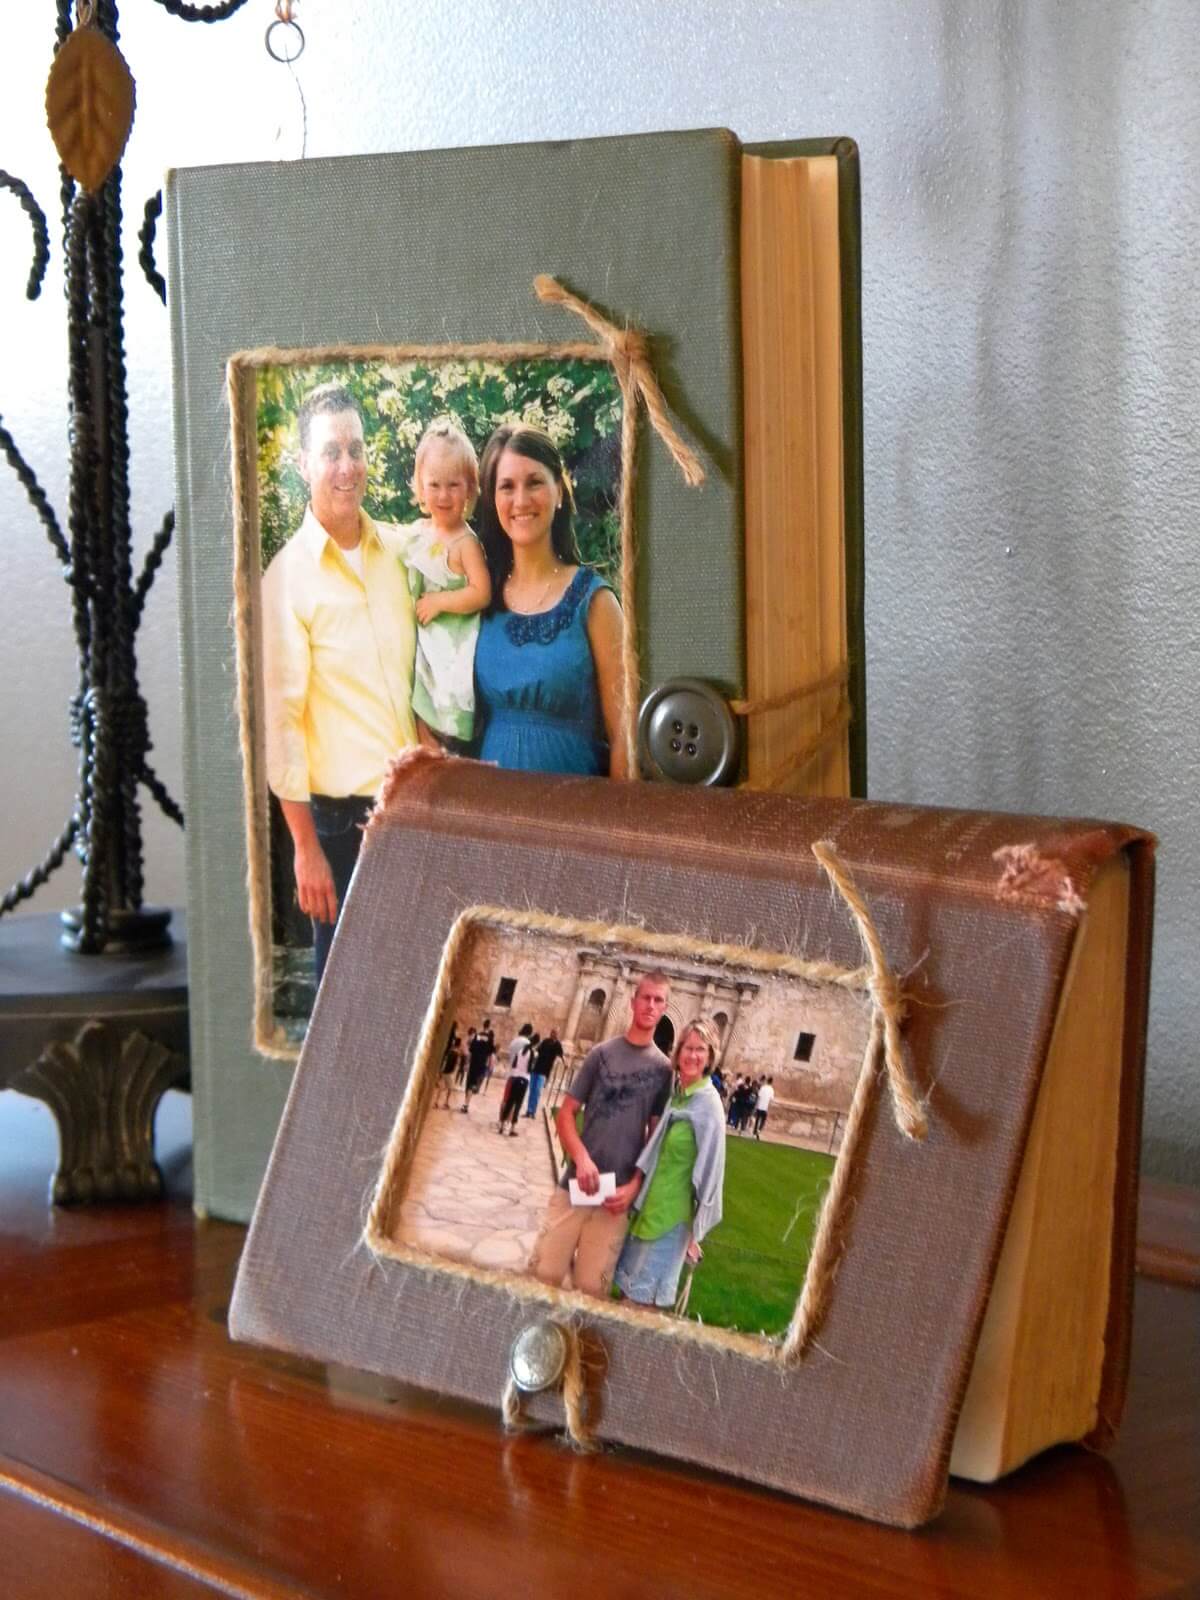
(397, 591)
(632, 1123)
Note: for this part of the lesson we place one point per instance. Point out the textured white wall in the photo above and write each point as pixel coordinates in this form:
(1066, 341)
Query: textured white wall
(1030, 221)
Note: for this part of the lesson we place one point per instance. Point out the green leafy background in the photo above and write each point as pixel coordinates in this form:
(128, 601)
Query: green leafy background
(578, 403)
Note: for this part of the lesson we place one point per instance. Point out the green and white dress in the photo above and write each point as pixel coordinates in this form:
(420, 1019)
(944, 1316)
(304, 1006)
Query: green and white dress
(444, 674)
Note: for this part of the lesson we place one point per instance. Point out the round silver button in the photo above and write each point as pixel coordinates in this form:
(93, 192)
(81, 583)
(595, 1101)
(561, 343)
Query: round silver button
(687, 733)
(538, 1356)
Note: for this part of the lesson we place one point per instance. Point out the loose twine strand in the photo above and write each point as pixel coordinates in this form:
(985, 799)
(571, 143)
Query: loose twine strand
(885, 992)
(574, 1392)
(833, 1217)
(887, 1015)
(799, 757)
(750, 708)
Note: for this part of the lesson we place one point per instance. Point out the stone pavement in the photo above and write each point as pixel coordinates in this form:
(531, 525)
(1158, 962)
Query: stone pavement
(474, 1195)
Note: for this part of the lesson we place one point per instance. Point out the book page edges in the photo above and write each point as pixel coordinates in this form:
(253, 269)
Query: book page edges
(1041, 1359)
(796, 623)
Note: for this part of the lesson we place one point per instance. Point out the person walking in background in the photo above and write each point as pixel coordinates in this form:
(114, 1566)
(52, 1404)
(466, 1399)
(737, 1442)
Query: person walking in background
(520, 1058)
(487, 1030)
(744, 1099)
(519, 1043)
(450, 1060)
(762, 1105)
(480, 1050)
(547, 1053)
(464, 1056)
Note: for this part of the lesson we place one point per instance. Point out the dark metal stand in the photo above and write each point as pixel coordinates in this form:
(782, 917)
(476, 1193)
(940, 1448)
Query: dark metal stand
(104, 1076)
(100, 1042)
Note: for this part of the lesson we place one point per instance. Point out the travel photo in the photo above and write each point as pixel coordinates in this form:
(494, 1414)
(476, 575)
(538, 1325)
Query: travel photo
(438, 544)
(632, 1123)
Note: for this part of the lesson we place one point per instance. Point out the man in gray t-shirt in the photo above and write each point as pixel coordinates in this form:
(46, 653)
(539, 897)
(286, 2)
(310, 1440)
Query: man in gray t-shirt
(622, 1087)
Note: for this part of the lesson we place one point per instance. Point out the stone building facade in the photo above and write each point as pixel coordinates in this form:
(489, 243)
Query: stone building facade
(808, 1037)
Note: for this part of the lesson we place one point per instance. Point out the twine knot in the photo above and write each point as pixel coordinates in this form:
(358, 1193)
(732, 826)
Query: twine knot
(629, 351)
(886, 995)
(884, 988)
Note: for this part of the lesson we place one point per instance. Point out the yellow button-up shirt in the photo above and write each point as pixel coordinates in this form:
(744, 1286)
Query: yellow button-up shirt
(337, 662)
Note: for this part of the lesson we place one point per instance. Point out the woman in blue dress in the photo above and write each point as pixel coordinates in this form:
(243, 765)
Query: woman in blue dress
(548, 677)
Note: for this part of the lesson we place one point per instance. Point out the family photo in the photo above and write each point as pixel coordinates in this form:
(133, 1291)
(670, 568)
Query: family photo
(633, 1125)
(439, 545)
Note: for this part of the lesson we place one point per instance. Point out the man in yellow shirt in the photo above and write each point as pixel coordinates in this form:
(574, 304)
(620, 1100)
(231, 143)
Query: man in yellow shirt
(339, 640)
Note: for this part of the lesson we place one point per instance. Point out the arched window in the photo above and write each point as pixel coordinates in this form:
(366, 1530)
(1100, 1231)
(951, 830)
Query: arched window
(592, 1015)
(720, 1022)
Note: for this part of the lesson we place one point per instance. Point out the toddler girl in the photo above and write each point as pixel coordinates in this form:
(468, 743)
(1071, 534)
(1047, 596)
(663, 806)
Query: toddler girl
(449, 580)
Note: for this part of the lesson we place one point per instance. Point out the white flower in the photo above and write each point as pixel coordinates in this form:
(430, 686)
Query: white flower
(451, 376)
(560, 425)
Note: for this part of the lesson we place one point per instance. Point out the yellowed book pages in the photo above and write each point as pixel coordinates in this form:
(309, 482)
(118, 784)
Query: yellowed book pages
(1038, 1367)
(795, 513)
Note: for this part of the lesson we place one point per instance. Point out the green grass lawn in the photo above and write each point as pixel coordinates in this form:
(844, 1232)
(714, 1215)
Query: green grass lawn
(755, 1260)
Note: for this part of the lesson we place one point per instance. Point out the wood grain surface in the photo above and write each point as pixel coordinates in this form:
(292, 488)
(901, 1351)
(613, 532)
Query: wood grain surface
(142, 1453)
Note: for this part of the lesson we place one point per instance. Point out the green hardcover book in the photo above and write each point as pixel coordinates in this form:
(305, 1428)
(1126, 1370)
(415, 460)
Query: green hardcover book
(411, 279)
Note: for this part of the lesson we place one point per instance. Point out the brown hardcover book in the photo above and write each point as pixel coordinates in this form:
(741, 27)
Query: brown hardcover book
(963, 1299)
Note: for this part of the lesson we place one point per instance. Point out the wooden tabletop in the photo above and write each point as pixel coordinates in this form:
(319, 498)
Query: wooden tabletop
(141, 1453)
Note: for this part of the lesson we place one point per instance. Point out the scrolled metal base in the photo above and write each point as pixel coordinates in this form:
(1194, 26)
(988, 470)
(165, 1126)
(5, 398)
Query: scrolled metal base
(103, 1088)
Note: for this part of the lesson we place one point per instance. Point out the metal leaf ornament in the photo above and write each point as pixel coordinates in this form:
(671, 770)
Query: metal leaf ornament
(89, 105)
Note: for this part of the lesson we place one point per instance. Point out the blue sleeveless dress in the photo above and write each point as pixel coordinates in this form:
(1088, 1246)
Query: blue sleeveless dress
(535, 687)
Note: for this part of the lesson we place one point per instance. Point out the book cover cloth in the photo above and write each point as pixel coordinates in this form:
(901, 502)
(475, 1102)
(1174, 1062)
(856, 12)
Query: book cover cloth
(430, 248)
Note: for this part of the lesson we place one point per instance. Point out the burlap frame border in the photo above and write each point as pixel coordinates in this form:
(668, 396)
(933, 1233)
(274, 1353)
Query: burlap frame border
(831, 1232)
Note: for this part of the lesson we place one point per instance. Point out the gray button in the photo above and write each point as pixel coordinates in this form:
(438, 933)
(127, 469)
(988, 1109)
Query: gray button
(538, 1356)
(687, 733)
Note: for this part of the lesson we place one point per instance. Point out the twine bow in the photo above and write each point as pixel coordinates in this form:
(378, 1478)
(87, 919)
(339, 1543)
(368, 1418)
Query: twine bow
(629, 352)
